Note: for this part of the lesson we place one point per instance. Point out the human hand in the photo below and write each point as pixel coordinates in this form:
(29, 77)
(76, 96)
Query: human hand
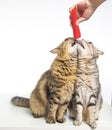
(85, 9)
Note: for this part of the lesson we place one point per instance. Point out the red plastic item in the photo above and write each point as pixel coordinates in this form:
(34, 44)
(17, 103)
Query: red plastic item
(75, 27)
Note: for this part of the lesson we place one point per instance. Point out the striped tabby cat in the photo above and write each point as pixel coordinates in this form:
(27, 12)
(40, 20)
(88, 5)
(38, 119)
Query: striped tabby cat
(54, 90)
(87, 101)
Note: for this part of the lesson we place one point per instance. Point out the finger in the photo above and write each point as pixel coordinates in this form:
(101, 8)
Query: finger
(70, 9)
(81, 19)
(70, 20)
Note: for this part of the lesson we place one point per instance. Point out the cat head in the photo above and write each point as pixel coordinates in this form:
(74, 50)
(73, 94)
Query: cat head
(87, 50)
(66, 49)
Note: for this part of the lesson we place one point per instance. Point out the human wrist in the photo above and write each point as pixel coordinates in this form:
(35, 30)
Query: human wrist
(96, 3)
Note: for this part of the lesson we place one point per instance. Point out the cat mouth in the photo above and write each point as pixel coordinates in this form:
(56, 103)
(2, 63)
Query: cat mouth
(80, 43)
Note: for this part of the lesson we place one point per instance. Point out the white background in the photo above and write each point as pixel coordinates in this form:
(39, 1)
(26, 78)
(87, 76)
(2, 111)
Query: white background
(29, 29)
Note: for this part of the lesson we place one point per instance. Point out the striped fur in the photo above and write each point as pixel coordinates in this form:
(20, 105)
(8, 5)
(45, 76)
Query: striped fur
(20, 101)
(54, 90)
(86, 101)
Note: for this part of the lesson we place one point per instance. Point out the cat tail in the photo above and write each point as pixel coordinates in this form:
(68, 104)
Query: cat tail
(21, 101)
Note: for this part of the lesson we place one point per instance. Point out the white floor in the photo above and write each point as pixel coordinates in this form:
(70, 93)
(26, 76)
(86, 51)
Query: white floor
(16, 118)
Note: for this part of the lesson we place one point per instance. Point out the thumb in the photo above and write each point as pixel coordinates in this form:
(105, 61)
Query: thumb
(81, 19)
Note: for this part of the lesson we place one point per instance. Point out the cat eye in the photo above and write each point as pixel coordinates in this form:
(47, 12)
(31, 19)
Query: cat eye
(90, 42)
(82, 45)
(73, 43)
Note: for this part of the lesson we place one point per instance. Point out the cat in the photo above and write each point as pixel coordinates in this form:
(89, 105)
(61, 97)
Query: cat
(53, 92)
(87, 100)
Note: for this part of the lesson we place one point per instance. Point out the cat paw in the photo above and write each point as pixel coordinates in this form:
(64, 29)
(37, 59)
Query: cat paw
(50, 120)
(36, 115)
(93, 125)
(61, 120)
(77, 122)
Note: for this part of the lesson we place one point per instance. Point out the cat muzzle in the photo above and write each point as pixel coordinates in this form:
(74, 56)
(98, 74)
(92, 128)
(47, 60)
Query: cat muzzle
(80, 43)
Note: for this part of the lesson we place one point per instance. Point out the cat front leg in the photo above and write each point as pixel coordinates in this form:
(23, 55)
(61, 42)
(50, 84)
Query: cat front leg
(78, 114)
(60, 113)
(77, 108)
(91, 112)
(51, 115)
(99, 106)
(92, 117)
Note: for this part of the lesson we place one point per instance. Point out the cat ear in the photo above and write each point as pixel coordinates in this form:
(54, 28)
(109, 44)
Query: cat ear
(100, 52)
(55, 51)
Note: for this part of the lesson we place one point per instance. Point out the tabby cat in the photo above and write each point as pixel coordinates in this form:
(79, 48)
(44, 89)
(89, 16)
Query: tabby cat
(87, 100)
(54, 90)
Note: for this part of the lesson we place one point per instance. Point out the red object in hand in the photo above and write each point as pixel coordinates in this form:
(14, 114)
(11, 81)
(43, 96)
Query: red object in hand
(75, 27)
